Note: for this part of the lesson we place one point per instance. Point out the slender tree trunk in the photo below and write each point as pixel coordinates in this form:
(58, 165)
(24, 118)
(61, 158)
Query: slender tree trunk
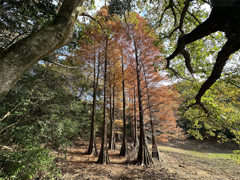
(131, 120)
(112, 144)
(136, 142)
(118, 134)
(110, 103)
(155, 151)
(103, 155)
(92, 149)
(18, 58)
(124, 151)
(144, 157)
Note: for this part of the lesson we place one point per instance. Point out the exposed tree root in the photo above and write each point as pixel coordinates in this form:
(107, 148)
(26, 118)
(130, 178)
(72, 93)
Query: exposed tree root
(103, 156)
(92, 149)
(144, 158)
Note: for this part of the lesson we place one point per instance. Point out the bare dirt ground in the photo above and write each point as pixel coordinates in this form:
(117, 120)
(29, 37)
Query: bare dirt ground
(177, 164)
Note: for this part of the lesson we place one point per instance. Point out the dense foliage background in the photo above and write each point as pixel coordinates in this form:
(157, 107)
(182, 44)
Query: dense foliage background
(42, 112)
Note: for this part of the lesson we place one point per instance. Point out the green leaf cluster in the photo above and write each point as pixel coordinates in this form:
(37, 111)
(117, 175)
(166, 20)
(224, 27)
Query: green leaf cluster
(27, 163)
(223, 102)
(44, 110)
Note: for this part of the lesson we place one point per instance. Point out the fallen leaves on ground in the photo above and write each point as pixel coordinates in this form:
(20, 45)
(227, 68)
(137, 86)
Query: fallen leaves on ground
(79, 165)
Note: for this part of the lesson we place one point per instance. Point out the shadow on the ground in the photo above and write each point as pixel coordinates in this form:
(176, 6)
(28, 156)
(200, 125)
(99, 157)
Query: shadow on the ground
(79, 165)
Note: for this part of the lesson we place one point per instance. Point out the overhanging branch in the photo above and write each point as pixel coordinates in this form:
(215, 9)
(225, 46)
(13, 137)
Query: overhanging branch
(19, 57)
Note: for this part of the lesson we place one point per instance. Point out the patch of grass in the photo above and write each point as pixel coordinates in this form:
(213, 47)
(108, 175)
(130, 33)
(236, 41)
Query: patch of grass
(197, 153)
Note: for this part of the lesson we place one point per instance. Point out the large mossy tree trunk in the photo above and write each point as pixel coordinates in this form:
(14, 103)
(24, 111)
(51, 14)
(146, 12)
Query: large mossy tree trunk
(103, 157)
(144, 157)
(18, 58)
(92, 149)
(124, 150)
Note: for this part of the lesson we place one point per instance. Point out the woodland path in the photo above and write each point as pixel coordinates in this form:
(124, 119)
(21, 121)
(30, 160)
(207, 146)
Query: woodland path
(179, 163)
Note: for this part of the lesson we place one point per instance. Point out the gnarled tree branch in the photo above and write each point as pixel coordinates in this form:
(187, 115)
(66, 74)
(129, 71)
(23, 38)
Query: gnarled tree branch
(224, 17)
(187, 58)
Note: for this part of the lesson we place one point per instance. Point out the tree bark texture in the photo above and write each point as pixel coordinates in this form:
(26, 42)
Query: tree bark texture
(112, 144)
(124, 150)
(103, 155)
(15, 60)
(155, 151)
(144, 157)
(136, 141)
(119, 135)
(92, 149)
(131, 121)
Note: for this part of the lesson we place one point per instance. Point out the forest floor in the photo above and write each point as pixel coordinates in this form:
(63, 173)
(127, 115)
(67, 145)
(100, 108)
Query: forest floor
(186, 159)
